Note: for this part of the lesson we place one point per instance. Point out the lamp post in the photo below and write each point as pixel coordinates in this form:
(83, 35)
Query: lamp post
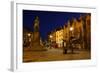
(29, 36)
(29, 39)
(71, 36)
(51, 40)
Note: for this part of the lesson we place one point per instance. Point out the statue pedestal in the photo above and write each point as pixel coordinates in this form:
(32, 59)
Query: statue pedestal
(35, 45)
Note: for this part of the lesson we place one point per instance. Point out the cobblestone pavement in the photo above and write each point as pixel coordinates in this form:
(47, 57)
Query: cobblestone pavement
(54, 55)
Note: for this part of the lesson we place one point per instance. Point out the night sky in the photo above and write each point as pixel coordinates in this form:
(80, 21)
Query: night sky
(49, 20)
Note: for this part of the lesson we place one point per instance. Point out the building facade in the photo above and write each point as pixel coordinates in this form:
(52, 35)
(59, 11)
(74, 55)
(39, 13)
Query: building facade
(77, 30)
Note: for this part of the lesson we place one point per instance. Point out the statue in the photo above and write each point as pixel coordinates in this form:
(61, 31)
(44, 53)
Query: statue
(36, 24)
(35, 45)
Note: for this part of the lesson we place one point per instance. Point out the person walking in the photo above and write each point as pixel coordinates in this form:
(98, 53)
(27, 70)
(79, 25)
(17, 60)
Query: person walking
(64, 47)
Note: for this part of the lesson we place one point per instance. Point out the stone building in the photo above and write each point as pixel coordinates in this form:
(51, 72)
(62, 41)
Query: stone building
(77, 29)
(59, 37)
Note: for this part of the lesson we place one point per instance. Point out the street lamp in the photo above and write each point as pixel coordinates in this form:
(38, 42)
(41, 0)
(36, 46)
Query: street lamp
(50, 40)
(51, 36)
(71, 36)
(29, 34)
(71, 28)
(71, 31)
(29, 38)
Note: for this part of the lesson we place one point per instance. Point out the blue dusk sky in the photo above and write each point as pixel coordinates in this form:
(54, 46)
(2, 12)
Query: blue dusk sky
(49, 20)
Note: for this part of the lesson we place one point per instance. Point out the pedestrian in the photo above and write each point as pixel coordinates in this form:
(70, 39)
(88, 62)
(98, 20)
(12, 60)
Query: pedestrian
(64, 47)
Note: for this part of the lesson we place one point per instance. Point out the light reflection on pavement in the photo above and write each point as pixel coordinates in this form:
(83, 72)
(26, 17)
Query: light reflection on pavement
(54, 55)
